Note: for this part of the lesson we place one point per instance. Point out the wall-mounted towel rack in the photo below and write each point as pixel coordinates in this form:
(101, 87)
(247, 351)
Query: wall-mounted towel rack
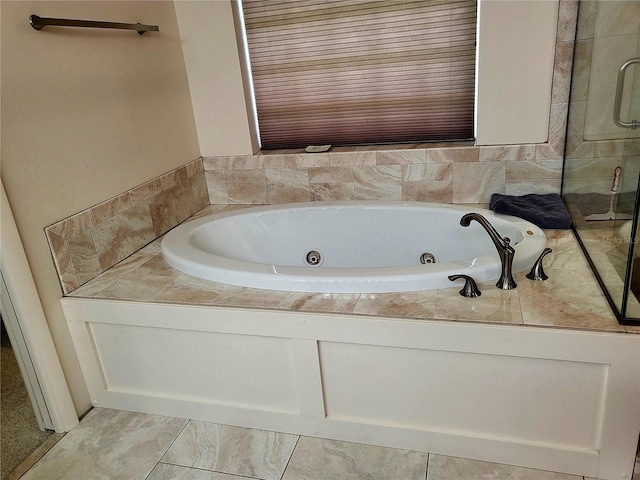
(38, 23)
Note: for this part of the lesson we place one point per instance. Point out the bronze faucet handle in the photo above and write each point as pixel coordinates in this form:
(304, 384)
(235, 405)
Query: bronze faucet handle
(537, 273)
(470, 289)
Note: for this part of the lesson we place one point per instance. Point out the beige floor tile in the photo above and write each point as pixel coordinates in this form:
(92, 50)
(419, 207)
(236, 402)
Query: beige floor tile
(165, 471)
(319, 459)
(233, 450)
(453, 468)
(109, 445)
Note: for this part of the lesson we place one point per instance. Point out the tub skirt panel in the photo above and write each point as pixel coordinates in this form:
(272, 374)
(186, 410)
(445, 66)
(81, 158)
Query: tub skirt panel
(560, 400)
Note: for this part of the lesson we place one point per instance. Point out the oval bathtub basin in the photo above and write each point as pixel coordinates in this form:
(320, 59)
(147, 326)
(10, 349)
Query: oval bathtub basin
(335, 247)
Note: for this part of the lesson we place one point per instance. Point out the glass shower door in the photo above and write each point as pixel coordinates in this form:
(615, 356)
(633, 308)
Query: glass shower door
(602, 156)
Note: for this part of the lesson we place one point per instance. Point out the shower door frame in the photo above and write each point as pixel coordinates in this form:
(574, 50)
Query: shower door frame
(619, 312)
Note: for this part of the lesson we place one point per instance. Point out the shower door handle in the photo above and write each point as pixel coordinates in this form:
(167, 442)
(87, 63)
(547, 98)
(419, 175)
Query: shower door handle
(618, 102)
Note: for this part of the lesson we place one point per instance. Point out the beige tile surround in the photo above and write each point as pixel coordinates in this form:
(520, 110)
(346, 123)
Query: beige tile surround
(86, 244)
(453, 174)
(571, 298)
(89, 242)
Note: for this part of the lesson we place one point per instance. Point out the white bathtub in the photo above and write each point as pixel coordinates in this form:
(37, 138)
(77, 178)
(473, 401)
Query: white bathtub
(365, 247)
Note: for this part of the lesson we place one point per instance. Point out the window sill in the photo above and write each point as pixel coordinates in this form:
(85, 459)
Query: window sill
(374, 148)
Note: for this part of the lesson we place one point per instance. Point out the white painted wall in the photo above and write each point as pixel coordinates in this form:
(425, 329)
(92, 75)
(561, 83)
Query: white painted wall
(517, 46)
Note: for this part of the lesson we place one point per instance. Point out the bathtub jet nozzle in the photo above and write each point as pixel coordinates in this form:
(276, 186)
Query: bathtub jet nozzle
(502, 244)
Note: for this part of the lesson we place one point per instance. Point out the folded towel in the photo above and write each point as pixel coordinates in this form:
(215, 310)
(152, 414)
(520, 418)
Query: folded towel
(546, 211)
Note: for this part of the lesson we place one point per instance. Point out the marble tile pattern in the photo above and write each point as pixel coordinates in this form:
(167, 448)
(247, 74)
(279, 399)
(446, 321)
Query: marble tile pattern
(570, 298)
(425, 173)
(232, 450)
(319, 459)
(450, 468)
(114, 445)
(92, 241)
(109, 444)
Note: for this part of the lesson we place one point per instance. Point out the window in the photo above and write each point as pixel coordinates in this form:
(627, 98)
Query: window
(361, 71)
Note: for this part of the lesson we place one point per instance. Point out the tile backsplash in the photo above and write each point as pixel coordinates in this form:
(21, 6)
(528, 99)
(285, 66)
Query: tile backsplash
(458, 174)
(93, 240)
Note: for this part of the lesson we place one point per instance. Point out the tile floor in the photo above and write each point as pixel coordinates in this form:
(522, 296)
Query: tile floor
(113, 444)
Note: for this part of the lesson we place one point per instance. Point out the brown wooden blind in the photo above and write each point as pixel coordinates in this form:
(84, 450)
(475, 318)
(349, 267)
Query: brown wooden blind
(362, 71)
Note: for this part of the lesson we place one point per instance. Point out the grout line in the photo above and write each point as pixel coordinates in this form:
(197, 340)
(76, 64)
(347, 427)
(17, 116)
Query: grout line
(290, 457)
(209, 471)
(167, 449)
(426, 473)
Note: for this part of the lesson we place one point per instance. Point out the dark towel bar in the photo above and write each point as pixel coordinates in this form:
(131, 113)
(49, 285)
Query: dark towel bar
(38, 23)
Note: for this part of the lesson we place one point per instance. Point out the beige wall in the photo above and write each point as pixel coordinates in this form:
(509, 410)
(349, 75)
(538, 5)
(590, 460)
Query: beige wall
(86, 115)
(517, 41)
(215, 77)
(517, 45)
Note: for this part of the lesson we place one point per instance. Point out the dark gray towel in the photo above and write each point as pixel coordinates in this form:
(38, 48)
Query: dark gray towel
(546, 211)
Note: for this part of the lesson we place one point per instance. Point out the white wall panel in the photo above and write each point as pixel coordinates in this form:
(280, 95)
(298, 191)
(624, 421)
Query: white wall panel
(239, 370)
(526, 399)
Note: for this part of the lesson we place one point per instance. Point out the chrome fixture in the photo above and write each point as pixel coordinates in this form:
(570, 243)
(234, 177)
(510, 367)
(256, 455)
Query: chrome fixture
(427, 257)
(470, 289)
(313, 258)
(617, 105)
(39, 22)
(502, 244)
(537, 273)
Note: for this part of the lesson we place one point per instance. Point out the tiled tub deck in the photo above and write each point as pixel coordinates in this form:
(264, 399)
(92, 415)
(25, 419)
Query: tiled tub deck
(570, 298)
(542, 376)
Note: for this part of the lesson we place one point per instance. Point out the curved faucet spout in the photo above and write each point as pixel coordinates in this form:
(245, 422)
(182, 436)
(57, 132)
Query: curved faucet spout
(498, 241)
(502, 244)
